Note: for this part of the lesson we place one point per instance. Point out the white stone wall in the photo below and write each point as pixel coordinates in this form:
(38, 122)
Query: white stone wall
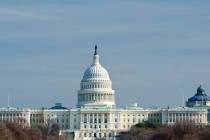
(36, 117)
(15, 115)
(59, 116)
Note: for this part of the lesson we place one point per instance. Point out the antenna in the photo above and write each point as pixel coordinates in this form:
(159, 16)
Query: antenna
(183, 100)
(8, 97)
(8, 101)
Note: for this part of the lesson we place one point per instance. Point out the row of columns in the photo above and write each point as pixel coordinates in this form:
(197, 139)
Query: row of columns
(91, 117)
(96, 97)
(94, 85)
(14, 118)
(196, 117)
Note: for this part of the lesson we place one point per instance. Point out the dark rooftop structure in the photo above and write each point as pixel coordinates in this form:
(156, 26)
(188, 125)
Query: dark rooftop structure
(58, 106)
(200, 95)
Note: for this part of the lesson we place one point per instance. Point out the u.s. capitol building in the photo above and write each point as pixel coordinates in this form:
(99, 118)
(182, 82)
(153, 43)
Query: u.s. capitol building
(96, 115)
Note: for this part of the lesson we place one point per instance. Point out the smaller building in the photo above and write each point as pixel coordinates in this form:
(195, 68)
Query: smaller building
(195, 116)
(200, 99)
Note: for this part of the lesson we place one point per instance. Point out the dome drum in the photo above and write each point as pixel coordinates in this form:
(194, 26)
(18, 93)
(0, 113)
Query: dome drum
(96, 85)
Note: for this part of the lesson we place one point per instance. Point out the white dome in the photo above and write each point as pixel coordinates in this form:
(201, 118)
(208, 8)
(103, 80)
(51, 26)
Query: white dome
(96, 72)
(96, 86)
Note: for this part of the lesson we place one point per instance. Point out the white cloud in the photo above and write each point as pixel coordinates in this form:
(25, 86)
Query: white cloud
(15, 14)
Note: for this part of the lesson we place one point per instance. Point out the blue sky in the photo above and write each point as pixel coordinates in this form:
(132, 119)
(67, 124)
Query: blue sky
(155, 51)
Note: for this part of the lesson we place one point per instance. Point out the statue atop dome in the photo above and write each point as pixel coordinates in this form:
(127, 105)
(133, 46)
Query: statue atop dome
(96, 57)
(96, 50)
(200, 90)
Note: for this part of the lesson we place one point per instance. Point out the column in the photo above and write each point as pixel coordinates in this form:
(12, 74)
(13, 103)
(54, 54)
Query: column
(102, 118)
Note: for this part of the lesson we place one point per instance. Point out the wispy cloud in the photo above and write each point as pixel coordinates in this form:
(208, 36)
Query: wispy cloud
(14, 14)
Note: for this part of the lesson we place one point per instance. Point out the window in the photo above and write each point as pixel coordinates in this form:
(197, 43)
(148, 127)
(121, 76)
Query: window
(105, 120)
(85, 120)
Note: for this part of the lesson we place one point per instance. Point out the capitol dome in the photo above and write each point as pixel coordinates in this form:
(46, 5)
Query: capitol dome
(96, 71)
(96, 86)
